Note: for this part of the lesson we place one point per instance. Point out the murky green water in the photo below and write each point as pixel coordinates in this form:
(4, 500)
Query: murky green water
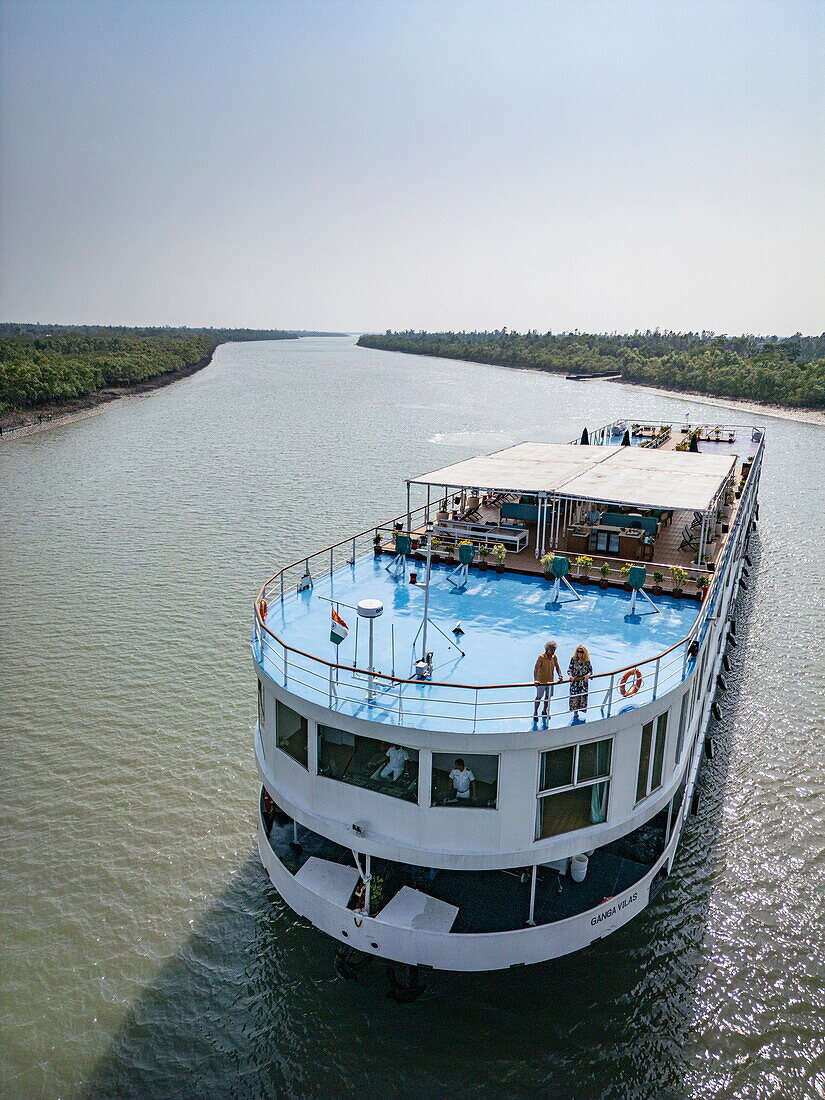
(145, 954)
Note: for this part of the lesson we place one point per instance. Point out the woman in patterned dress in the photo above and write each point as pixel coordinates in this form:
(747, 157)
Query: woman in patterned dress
(579, 671)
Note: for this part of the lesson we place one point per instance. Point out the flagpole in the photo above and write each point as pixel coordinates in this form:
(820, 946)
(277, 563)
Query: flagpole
(427, 594)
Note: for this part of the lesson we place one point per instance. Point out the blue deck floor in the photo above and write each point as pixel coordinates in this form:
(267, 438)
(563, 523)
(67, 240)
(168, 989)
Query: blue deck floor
(506, 619)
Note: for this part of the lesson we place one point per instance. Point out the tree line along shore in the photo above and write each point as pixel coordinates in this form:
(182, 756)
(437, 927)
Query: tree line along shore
(788, 371)
(63, 368)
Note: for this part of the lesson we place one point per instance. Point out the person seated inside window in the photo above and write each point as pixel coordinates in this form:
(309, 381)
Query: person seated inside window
(464, 781)
(396, 758)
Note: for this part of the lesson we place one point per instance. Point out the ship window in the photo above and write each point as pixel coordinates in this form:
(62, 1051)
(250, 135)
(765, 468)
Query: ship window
(465, 781)
(291, 732)
(574, 788)
(363, 762)
(651, 756)
(680, 737)
(260, 705)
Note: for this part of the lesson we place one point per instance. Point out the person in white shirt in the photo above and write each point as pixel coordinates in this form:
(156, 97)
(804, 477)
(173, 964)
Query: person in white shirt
(463, 780)
(396, 762)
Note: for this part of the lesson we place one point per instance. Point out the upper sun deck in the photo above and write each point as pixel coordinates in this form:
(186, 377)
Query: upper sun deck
(505, 617)
(480, 680)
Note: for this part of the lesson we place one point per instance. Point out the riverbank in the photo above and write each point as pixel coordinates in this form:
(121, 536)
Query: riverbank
(802, 416)
(767, 373)
(19, 423)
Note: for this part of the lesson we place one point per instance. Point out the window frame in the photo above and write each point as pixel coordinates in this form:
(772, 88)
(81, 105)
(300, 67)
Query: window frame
(657, 728)
(576, 785)
(576, 782)
(320, 727)
(278, 704)
(450, 806)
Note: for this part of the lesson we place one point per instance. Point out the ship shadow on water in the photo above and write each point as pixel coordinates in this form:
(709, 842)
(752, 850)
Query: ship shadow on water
(251, 1006)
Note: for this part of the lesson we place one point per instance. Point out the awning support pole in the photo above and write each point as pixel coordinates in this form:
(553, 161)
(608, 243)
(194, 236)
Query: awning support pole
(409, 516)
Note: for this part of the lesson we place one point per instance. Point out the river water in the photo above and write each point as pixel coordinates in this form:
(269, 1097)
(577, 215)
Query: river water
(145, 954)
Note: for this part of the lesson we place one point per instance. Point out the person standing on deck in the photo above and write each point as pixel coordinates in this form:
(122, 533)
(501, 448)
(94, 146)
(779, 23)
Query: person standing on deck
(580, 671)
(545, 671)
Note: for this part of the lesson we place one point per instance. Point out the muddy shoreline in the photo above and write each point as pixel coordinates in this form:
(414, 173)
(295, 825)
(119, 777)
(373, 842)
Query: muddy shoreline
(24, 422)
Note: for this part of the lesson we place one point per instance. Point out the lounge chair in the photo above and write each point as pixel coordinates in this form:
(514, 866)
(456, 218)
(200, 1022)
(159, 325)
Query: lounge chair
(688, 540)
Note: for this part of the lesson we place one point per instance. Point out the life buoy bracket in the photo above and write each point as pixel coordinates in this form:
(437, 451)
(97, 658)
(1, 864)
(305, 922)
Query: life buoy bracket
(626, 687)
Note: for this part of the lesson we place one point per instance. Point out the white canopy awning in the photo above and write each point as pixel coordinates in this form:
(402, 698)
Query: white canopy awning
(648, 477)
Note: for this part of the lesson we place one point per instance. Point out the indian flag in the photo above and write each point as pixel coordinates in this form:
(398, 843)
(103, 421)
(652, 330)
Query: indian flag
(339, 628)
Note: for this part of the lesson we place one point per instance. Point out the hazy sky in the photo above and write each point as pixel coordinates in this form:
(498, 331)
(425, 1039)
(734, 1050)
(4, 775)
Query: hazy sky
(363, 165)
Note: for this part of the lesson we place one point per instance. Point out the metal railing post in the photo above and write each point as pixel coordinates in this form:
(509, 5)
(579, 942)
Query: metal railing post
(656, 677)
(610, 695)
(475, 710)
(286, 673)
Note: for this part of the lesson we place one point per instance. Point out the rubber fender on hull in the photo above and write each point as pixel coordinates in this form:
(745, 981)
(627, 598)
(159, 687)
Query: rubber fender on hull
(709, 748)
(716, 711)
(694, 803)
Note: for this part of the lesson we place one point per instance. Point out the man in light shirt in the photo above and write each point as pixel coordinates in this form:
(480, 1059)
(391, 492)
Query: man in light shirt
(396, 762)
(463, 780)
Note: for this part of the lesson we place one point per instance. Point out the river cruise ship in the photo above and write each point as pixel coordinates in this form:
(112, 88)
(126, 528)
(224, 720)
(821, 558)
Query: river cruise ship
(424, 800)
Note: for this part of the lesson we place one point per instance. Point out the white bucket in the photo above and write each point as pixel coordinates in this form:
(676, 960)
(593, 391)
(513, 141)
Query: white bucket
(578, 868)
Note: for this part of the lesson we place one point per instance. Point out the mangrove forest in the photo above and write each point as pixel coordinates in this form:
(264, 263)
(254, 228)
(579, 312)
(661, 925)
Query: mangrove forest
(771, 369)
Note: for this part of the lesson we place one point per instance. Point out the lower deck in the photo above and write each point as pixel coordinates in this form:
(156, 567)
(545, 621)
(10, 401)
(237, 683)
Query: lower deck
(488, 901)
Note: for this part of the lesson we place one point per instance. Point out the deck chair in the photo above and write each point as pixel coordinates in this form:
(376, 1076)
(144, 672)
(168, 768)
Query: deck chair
(697, 519)
(688, 540)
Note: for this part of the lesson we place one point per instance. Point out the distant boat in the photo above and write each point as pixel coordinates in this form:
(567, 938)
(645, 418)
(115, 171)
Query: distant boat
(591, 377)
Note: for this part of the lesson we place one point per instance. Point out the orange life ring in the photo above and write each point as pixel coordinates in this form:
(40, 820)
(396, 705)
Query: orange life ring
(264, 609)
(636, 676)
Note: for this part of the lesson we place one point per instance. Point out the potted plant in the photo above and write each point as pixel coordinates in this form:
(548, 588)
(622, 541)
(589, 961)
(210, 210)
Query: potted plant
(499, 554)
(701, 583)
(604, 573)
(483, 553)
(547, 564)
(677, 578)
(377, 541)
(625, 572)
(435, 546)
(584, 564)
(657, 583)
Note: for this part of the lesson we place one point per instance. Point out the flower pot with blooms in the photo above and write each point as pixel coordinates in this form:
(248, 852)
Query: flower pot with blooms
(677, 578)
(657, 583)
(483, 554)
(499, 553)
(604, 574)
(584, 565)
(547, 563)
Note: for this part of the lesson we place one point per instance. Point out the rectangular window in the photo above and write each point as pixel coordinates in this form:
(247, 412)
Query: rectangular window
(465, 781)
(260, 705)
(291, 732)
(680, 737)
(574, 785)
(651, 756)
(362, 762)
